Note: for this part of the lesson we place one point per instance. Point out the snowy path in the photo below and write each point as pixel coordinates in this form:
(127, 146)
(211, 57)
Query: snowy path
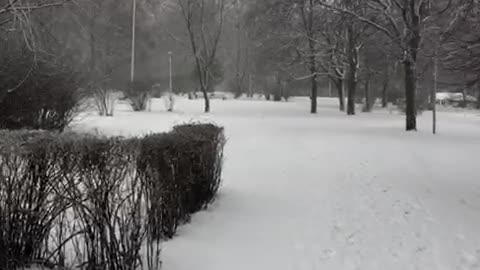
(330, 192)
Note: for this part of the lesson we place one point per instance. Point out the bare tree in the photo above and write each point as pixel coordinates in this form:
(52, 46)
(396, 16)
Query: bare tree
(308, 10)
(342, 41)
(301, 21)
(204, 21)
(15, 15)
(240, 66)
(352, 50)
(460, 45)
(333, 64)
(401, 21)
(101, 31)
(21, 9)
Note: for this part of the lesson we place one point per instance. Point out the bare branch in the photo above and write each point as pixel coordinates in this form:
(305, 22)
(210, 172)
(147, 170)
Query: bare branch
(360, 18)
(12, 7)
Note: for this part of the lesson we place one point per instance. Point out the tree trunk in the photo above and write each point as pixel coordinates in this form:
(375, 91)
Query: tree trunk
(351, 84)
(313, 108)
(367, 106)
(352, 56)
(351, 88)
(307, 13)
(478, 95)
(207, 99)
(384, 94)
(313, 71)
(413, 36)
(410, 89)
(203, 80)
(277, 94)
(341, 96)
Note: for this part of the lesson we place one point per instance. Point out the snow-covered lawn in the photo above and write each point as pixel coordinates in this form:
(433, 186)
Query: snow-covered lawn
(327, 191)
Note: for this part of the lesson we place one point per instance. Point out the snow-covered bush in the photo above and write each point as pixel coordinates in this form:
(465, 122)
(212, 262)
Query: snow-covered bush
(71, 199)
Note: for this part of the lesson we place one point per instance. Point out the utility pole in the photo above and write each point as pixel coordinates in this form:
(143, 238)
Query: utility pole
(132, 64)
(170, 71)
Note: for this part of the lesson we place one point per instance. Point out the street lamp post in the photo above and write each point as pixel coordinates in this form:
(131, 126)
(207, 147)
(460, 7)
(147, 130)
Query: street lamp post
(435, 90)
(170, 54)
(438, 36)
(132, 64)
(169, 97)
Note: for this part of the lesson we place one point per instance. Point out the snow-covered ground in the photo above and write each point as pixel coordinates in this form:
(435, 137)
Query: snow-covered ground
(327, 191)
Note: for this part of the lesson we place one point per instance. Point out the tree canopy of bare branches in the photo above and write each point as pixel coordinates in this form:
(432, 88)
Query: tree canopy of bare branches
(204, 21)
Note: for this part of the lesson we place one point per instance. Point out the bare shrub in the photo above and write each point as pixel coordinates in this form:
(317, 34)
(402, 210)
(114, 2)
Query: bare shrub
(37, 92)
(108, 204)
(139, 101)
(105, 100)
(139, 95)
(29, 204)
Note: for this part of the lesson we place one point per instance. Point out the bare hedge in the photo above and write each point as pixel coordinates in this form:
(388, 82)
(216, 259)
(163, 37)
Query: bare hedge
(102, 203)
(185, 163)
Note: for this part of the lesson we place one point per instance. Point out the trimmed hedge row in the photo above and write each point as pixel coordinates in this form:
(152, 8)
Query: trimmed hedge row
(109, 201)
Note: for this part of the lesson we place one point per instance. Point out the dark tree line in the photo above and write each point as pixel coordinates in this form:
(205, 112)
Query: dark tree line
(360, 50)
(371, 43)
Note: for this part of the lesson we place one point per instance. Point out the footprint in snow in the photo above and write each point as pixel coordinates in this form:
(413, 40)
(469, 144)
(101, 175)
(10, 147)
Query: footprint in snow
(328, 254)
(299, 247)
(470, 260)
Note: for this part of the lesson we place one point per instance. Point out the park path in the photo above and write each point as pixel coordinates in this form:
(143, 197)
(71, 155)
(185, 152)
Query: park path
(328, 191)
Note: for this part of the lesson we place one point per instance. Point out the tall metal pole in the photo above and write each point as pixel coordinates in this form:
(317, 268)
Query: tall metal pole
(329, 87)
(329, 80)
(434, 96)
(170, 71)
(132, 64)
